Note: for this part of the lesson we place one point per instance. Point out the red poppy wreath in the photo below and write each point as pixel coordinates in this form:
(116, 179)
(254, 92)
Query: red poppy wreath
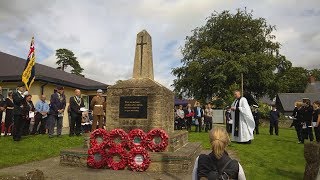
(118, 137)
(157, 140)
(98, 136)
(96, 157)
(117, 158)
(137, 137)
(139, 159)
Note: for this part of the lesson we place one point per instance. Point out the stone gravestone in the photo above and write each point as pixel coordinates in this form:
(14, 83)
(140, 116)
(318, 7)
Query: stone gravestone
(140, 102)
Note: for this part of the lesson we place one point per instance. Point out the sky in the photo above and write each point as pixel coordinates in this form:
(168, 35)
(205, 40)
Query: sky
(102, 34)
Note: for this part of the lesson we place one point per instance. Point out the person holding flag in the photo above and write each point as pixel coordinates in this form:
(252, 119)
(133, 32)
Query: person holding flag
(28, 76)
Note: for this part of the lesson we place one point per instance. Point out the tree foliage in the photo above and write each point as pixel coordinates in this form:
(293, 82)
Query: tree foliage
(216, 54)
(66, 58)
(315, 73)
(293, 80)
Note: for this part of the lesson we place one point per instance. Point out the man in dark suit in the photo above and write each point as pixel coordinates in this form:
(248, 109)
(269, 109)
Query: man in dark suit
(198, 114)
(76, 103)
(57, 106)
(18, 121)
(256, 117)
(274, 120)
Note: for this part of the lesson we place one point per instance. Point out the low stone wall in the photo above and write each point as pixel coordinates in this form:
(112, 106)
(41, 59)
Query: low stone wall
(74, 157)
(282, 123)
(177, 140)
(175, 162)
(172, 162)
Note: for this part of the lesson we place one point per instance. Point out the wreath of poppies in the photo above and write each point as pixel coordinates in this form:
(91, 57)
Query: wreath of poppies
(98, 135)
(117, 152)
(137, 137)
(118, 137)
(139, 159)
(96, 157)
(157, 140)
(109, 149)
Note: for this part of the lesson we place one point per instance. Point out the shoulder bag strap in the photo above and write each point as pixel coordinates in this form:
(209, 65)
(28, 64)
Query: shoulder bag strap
(224, 167)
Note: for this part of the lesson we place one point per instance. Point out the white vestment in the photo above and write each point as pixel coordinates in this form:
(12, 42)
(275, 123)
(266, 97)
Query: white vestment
(246, 121)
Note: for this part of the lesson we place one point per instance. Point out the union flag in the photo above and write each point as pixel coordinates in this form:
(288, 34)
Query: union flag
(28, 74)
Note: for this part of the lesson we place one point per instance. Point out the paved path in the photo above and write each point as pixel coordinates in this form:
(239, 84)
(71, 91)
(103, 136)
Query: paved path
(53, 171)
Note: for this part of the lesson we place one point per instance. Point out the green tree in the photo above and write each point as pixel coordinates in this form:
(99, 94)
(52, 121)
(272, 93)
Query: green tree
(226, 46)
(315, 73)
(293, 80)
(66, 58)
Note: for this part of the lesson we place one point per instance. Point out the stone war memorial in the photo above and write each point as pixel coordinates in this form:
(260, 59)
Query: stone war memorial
(142, 103)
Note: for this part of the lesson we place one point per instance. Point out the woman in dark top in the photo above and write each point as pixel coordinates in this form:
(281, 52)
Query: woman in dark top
(297, 121)
(28, 107)
(316, 119)
(307, 111)
(9, 113)
(217, 164)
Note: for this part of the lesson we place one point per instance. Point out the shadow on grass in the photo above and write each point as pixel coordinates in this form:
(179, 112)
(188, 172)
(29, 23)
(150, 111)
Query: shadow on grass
(289, 174)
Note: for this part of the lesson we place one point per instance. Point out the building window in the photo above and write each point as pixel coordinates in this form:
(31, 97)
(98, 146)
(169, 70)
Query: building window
(86, 101)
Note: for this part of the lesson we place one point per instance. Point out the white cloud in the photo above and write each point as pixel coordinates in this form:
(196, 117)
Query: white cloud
(102, 33)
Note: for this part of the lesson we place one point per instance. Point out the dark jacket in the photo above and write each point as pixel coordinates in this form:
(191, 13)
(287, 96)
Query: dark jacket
(26, 108)
(2, 104)
(296, 121)
(196, 112)
(209, 163)
(75, 106)
(256, 116)
(227, 115)
(274, 115)
(187, 114)
(57, 103)
(307, 112)
(18, 103)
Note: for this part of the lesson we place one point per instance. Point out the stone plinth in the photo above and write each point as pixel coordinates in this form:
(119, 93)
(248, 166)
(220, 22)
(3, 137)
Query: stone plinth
(181, 160)
(160, 104)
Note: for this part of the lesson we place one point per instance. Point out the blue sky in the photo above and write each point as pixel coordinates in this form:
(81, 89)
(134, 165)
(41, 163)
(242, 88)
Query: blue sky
(102, 33)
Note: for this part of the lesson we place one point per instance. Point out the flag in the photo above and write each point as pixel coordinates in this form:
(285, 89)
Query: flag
(28, 74)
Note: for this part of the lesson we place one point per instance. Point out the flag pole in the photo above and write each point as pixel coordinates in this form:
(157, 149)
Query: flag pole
(242, 84)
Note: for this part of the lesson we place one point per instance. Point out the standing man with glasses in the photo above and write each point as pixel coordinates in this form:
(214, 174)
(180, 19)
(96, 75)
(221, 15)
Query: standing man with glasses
(42, 109)
(76, 103)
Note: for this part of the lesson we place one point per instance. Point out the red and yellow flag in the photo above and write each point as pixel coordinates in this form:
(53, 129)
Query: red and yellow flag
(28, 74)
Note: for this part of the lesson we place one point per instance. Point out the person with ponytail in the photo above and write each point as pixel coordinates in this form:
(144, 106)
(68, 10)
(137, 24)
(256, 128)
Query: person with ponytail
(217, 164)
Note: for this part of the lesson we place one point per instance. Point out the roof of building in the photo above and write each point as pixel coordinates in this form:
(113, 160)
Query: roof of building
(11, 69)
(288, 100)
(267, 100)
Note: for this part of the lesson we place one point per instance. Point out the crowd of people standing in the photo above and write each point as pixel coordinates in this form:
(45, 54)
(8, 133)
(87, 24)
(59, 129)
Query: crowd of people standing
(307, 120)
(200, 117)
(21, 117)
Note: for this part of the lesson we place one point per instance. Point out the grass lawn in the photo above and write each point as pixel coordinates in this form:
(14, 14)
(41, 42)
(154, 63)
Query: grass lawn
(268, 157)
(34, 148)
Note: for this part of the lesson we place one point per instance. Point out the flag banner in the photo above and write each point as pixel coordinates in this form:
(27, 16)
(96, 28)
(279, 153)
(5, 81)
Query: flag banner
(28, 74)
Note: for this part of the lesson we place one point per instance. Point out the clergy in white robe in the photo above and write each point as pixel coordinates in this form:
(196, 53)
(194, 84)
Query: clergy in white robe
(243, 122)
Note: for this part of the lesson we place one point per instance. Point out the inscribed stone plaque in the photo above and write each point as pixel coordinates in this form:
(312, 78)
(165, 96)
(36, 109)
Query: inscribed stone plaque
(133, 107)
